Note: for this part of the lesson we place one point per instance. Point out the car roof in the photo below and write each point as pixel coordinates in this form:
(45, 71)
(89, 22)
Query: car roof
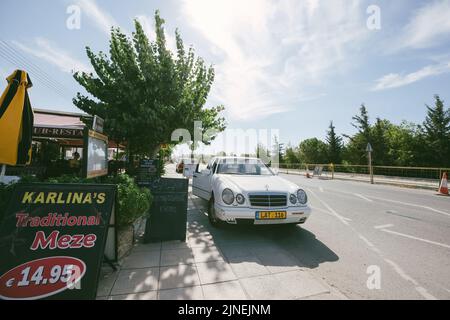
(237, 158)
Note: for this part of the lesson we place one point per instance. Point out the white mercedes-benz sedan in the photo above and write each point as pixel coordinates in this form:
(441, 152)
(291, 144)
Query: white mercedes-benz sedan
(245, 191)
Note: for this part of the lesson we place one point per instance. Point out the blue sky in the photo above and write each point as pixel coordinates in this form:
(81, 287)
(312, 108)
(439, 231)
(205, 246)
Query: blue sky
(290, 65)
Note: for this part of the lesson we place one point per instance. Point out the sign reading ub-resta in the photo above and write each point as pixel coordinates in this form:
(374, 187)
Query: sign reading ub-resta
(52, 240)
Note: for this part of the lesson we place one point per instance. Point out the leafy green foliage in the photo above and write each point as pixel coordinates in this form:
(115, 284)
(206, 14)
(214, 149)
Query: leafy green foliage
(132, 202)
(334, 145)
(406, 144)
(437, 132)
(313, 151)
(144, 91)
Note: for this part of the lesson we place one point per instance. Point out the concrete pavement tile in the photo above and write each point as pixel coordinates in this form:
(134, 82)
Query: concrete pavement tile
(231, 290)
(249, 266)
(216, 271)
(179, 276)
(151, 295)
(177, 256)
(190, 293)
(265, 288)
(105, 284)
(153, 246)
(200, 242)
(142, 259)
(207, 254)
(324, 296)
(174, 245)
(136, 280)
(204, 234)
(300, 284)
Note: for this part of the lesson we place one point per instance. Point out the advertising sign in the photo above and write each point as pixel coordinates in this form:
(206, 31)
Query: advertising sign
(97, 124)
(95, 154)
(148, 170)
(52, 240)
(41, 132)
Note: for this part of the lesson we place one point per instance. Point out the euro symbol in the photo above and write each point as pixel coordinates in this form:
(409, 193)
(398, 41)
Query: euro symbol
(9, 283)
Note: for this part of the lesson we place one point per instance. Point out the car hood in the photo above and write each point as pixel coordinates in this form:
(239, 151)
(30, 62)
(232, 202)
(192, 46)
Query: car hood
(258, 183)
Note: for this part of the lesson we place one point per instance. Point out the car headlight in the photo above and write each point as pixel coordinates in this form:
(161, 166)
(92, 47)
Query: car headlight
(227, 196)
(240, 199)
(293, 198)
(301, 196)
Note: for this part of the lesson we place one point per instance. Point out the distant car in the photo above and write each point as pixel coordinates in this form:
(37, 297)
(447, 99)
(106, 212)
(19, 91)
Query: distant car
(245, 191)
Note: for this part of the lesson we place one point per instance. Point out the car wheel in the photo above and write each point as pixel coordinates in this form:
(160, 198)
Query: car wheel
(213, 220)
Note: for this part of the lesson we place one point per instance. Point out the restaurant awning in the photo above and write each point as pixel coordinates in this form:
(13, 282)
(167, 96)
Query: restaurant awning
(66, 127)
(56, 124)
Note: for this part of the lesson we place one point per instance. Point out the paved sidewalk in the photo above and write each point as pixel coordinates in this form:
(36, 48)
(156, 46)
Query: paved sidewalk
(230, 263)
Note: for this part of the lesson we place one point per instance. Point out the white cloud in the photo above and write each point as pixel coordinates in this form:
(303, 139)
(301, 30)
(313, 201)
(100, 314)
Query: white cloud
(98, 16)
(44, 49)
(269, 54)
(148, 24)
(395, 80)
(429, 26)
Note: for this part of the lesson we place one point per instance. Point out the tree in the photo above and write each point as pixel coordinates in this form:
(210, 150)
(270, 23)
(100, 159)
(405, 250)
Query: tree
(437, 133)
(355, 151)
(291, 155)
(334, 145)
(380, 143)
(262, 152)
(362, 122)
(144, 91)
(405, 145)
(313, 151)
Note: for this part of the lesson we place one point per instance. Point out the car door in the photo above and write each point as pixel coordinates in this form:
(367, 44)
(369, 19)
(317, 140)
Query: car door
(201, 182)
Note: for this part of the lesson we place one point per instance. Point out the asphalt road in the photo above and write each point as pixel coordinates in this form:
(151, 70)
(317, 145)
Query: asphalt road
(359, 229)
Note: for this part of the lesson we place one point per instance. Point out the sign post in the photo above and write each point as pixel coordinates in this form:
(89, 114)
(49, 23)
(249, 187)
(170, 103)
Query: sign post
(52, 240)
(369, 151)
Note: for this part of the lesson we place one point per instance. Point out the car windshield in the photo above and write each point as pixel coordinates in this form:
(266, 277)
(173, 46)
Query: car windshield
(243, 167)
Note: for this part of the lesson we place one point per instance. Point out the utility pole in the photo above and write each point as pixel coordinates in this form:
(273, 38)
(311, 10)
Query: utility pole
(369, 150)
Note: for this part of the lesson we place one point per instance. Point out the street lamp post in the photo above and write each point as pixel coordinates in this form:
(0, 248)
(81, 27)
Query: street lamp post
(369, 150)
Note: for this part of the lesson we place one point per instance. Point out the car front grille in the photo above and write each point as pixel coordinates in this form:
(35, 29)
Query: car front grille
(268, 200)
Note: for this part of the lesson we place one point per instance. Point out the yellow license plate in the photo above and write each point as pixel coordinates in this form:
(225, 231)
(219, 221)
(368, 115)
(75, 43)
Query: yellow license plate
(270, 215)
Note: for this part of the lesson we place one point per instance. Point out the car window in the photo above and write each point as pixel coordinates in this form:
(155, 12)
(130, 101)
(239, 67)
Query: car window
(243, 167)
(201, 167)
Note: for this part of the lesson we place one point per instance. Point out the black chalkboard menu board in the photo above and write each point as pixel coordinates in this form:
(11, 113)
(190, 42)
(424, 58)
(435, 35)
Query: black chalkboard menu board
(147, 171)
(168, 213)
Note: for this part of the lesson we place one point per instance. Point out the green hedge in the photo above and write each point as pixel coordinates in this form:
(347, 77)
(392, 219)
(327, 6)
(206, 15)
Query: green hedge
(132, 202)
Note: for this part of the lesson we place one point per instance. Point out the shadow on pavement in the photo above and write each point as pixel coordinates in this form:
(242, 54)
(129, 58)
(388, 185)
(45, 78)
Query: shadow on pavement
(272, 246)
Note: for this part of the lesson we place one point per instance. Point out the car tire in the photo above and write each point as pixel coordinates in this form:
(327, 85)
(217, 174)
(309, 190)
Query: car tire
(213, 220)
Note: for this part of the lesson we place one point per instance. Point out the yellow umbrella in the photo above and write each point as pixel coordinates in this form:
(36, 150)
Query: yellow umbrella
(16, 121)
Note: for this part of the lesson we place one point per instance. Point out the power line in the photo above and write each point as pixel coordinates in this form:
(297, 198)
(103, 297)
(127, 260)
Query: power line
(15, 62)
(16, 58)
(31, 63)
